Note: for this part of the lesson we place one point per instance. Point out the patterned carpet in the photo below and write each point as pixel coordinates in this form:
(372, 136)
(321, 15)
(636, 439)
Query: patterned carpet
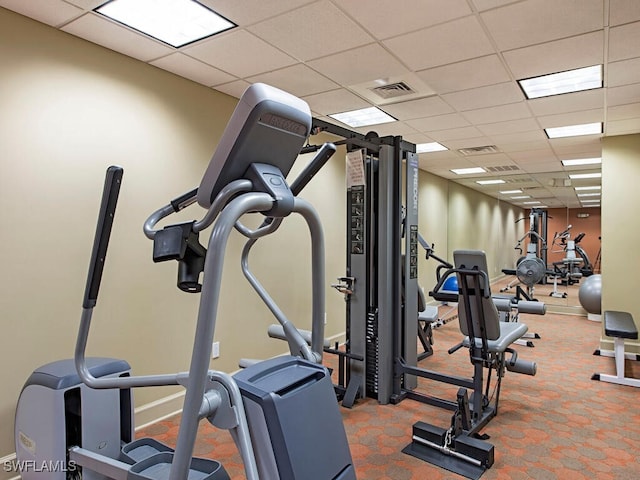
(556, 425)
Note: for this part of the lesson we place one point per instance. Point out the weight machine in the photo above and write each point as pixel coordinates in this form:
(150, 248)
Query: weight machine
(381, 294)
(532, 268)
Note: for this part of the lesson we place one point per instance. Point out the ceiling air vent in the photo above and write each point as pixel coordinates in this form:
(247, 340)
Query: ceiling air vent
(484, 150)
(503, 168)
(393, 90)
(519, 179)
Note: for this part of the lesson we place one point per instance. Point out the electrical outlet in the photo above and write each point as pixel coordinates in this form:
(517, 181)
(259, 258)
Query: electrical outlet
(215, 350)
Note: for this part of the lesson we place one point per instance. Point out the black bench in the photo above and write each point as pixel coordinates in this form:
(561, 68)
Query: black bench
(620, 326)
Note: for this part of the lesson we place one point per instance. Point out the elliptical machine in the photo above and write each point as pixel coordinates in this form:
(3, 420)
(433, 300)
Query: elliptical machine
(281, 413)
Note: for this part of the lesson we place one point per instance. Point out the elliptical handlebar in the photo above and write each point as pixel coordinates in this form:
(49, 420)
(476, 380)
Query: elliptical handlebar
(113, 181)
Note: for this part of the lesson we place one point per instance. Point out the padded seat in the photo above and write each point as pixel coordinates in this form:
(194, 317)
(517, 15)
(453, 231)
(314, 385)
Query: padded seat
(620, 324)
(509, 333)
(429, 314)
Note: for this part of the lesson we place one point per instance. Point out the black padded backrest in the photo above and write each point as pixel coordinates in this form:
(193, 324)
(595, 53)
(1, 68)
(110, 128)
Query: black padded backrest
(486, 318)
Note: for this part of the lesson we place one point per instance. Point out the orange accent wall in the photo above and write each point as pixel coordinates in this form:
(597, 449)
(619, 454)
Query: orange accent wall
(559, 218)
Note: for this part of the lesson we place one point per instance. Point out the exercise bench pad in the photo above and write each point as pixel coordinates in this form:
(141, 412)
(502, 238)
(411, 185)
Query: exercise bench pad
(619, 324)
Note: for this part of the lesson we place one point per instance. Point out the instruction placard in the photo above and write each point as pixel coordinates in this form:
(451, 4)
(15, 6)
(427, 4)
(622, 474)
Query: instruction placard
(355, 168)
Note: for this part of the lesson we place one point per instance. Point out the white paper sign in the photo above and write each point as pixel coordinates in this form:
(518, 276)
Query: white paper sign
(355, 168)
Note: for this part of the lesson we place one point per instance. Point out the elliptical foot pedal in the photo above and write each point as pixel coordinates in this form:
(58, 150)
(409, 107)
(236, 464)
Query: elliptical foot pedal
(158, 466)
(467, 456)
(141, 449)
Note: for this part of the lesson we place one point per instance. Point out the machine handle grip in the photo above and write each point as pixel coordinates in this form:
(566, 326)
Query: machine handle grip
(112, 182)
(325, 153)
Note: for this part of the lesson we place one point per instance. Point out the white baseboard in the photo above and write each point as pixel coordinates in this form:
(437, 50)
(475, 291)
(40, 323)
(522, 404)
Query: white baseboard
(158, 410)
(7, 460)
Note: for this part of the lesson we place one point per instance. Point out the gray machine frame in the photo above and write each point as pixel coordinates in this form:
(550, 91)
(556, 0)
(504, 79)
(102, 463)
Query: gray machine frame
(381, 293)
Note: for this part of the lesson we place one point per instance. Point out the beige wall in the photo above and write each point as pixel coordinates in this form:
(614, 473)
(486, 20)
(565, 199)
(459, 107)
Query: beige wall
(620, 226)
(68, 109)
(477, 221)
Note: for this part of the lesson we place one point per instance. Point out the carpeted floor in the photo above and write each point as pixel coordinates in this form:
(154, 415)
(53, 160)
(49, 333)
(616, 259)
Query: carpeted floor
(556, 425)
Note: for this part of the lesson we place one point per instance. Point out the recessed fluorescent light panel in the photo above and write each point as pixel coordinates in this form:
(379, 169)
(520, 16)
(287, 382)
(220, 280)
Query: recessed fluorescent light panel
(574, 130)
(363, 117)
(595, 194)
(595, 187)
(468, 171)
(490, 182)
(509, 192)
(577, 80)
(578, 176)
(520, 197)
(175, 22)
(589, 201)
(531, 203)
(430, 147)
(581, 161)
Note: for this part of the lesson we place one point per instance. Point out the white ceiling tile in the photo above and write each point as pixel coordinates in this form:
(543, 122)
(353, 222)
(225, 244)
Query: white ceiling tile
(538, 167)
(234, 89)
(624, 72)
(623, 95)
(477, 72)
(512, 126)
(98, 29)
(522, 148)
(442, 44)
(424, 107)
(319, 29)
(336, 101)
(493, 159)
(223, 52)
(51, 12)
(482, 97)
(573, 147)
(557, 56)
(455, 144)
(569, 102)
(417, 138)
(405, 15)
(623, 127)
(359, 65)
(542, 155)
(500, 113)
(623, 11)
(624, 112)
(439, 122)
(455, 134)
(624, 41)
(86, 4)
(509, 139)
(246, 12)
(193, 69)
(571, 118)
(482, 5)
(298, 80)
(386, 129)
(538, 21)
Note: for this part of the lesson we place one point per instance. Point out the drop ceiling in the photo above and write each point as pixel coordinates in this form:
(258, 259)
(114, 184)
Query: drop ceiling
(461, 58)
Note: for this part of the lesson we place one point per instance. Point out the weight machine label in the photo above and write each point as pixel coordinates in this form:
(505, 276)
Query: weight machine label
(413, 251)
(357, 219)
